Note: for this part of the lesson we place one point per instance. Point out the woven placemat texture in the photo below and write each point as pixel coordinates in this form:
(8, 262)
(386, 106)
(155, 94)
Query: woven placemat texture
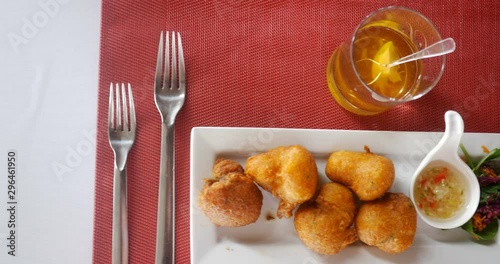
(262, 64)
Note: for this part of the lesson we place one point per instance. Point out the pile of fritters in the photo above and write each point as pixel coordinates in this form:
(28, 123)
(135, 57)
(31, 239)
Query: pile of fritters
(230, 198)
(327, 220)
(385, 220)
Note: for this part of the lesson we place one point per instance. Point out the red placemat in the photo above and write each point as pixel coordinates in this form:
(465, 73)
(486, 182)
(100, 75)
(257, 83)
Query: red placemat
(262, 64)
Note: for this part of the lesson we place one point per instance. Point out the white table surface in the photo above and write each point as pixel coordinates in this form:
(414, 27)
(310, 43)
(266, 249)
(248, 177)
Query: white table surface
(49, 53)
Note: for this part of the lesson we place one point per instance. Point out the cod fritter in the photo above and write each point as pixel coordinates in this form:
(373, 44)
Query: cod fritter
(289, 173)
(368, 175)
(230, 198)
(388, 223)
(325, 224)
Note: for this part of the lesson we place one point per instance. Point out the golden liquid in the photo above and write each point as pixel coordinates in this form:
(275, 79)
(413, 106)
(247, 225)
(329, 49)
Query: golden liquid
(376, 45)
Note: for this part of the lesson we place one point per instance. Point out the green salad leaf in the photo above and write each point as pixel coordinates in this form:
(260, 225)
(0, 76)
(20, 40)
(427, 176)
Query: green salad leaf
(484, 224)
(488, 191)
(495, 153)
(488, 233)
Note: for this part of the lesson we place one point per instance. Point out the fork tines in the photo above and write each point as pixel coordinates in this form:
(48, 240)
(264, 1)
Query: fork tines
(118, 102)
(164, 52)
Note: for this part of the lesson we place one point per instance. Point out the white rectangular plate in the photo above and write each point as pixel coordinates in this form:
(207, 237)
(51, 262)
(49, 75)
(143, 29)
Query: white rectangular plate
(275, 241)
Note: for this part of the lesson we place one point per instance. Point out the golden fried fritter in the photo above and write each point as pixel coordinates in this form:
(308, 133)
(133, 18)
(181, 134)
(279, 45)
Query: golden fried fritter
(388, 223)
(368, 175)
(230, 198)
(289, 173)
(325, 224)
(225, 166)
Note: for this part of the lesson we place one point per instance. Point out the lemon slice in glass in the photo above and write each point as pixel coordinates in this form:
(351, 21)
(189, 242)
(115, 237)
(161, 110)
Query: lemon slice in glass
(385, 55)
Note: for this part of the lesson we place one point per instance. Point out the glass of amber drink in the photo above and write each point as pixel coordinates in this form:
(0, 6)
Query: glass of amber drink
(358, 74)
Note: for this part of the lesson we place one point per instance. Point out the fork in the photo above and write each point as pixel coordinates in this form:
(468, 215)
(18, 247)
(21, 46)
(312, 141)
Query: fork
(121, 135)
(169, 98)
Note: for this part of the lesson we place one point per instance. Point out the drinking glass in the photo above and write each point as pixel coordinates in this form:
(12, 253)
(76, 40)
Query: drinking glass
(358, 74)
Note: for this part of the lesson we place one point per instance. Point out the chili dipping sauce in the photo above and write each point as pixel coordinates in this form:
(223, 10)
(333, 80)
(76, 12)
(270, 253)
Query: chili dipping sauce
(439, 192)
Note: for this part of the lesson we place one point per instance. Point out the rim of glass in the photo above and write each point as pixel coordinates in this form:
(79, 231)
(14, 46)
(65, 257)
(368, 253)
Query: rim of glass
(368, 88)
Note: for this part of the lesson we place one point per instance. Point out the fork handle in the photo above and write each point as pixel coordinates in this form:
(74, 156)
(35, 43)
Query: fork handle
(120, 215)
(165, 235)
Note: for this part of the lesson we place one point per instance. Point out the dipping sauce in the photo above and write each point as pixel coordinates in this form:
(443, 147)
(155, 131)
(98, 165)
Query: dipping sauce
(438, 192)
